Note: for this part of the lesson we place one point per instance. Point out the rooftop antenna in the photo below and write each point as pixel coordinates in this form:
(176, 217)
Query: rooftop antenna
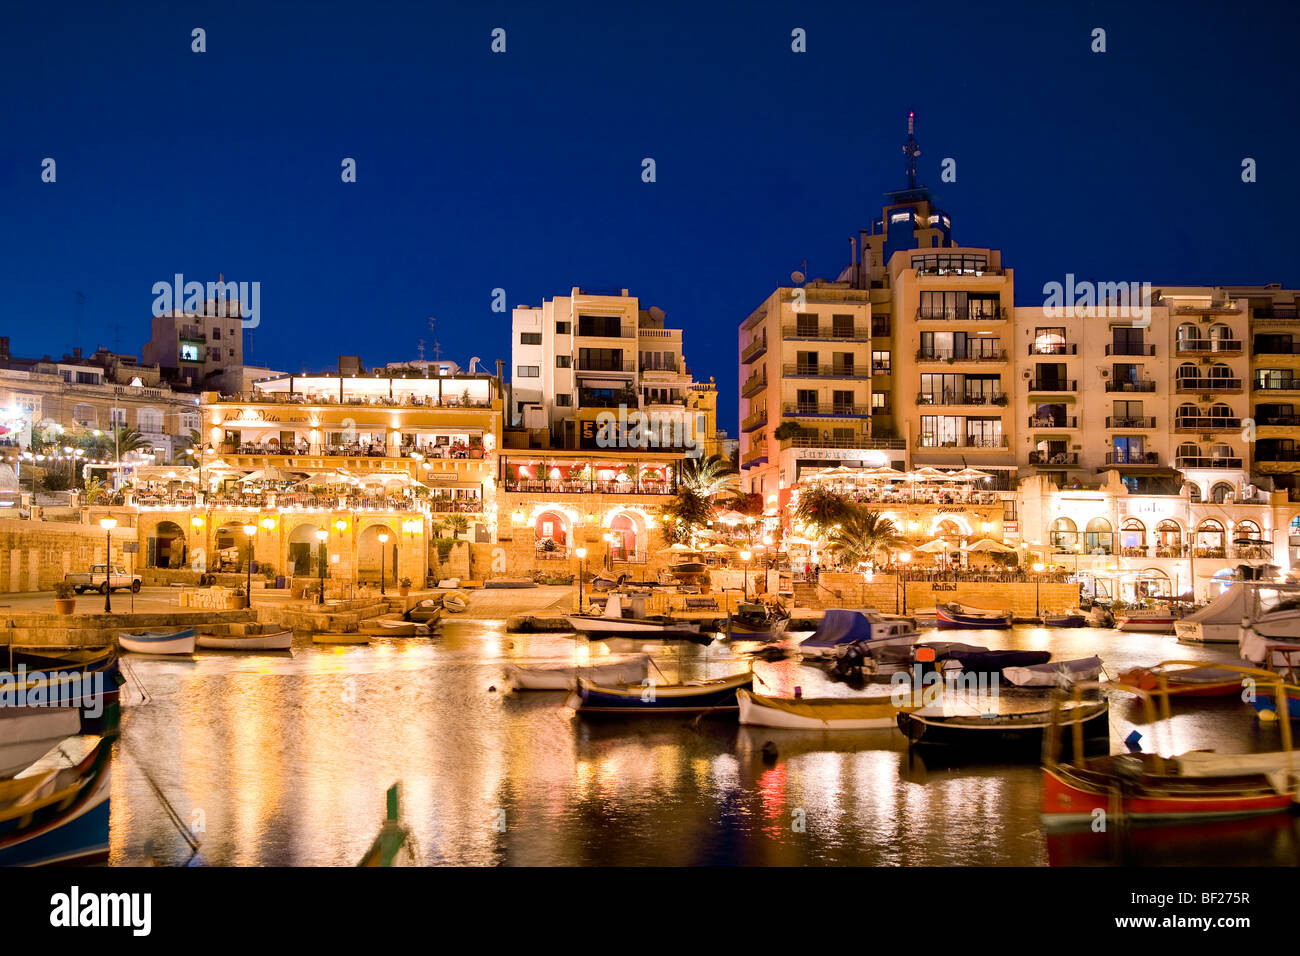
(437, 348)
(911, 150)
(81, 310)
(419, 350)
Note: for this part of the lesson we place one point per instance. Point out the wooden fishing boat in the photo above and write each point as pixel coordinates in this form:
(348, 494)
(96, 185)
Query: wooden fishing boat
(971, 618)
(387, 627)
(89, 678)
(632, 670)
(692, 697)
(1052, 673)
(756, 622)
(624, 616)
(169, 641)
(818, 713)
(62, 816)
(925, 617)
(1150, 788)
(1204, 681)
(274, 641)
(29, 733)
(455, 601)
(1016, 736)
(1148, 620)
(426, 612)
(340, 637)
(1066, 619)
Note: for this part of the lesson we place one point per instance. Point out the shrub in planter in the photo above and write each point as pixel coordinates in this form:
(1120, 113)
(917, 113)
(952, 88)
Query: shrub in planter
(404, 587)
(65, 599)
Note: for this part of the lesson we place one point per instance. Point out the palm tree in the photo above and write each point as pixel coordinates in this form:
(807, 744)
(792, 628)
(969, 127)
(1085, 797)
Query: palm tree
(863, 535)
(709, 477)
(823, 507)
(684, 514)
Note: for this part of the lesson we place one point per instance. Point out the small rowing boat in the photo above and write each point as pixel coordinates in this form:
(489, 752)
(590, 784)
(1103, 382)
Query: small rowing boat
(972, 618)
(818, 713)
(692, 697)
(28, 733)
(625, 616)
(273, 641)
(340, 637)
(387, 627)
(1053, 673)
(1207, 681)
(455, 601)
(172, 641)
(1067, 619)
(426, 612)
(1016, 736)
(562, 676)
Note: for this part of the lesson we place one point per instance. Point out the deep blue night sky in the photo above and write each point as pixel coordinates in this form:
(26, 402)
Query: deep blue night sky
(522, 170)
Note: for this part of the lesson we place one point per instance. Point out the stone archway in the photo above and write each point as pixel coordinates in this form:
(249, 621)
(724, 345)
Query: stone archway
(166, 546)
(304, 551)
(369, 551)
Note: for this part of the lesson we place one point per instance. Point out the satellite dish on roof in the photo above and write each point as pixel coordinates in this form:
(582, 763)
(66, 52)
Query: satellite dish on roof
(797, 277)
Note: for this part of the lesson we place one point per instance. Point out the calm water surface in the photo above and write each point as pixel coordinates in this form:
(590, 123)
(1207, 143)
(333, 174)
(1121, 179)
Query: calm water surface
(284, 760)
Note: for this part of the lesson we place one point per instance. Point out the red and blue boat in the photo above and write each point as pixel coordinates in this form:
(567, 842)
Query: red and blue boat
(692, 697)
(972, 618)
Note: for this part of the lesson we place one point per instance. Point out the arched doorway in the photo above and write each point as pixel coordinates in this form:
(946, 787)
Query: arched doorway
(374, 555)
(1169, 539)
(1210, 540)
(1152, 583)
(551, 534)
(1133, 538)
(1097, 537)
(1064, 535)
(623, 543)
(167, 547)
(304, 551)
(230, 547)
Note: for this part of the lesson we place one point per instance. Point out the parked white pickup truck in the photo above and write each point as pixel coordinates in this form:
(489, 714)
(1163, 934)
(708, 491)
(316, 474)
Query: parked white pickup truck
(94, 579)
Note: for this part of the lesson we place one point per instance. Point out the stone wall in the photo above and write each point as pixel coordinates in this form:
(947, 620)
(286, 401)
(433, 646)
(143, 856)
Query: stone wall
(883, 593)
(34, 555)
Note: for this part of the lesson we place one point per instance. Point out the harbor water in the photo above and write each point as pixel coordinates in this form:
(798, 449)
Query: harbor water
(282, 759)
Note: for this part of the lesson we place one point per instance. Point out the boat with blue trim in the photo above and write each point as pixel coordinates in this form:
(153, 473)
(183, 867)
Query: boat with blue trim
(972, 618)
(691, 697)
(168, 641)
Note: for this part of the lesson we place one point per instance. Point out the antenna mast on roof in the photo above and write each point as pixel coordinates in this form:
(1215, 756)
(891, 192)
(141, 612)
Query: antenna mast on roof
(911, 150)
(437, 349)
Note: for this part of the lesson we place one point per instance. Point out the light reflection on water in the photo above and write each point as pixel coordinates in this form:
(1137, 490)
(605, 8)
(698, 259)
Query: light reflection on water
(284, 760)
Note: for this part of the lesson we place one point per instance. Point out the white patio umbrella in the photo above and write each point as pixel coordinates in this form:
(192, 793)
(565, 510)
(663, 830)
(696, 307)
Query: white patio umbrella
(678, 548)
(988, 544)
(937, 546)
(971, 474)
(390, 477)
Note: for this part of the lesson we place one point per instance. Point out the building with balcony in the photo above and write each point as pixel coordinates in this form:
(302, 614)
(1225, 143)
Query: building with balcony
(191, 346)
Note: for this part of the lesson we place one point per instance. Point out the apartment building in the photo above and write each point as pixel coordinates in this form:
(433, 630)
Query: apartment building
(80, 394)
(587, 356)
(190, 346)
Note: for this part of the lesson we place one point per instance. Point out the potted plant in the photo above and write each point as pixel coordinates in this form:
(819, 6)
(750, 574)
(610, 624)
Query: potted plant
(65, 600)
(404, 587)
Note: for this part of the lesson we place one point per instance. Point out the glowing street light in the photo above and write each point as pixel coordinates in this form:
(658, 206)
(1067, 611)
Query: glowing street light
(108, 524)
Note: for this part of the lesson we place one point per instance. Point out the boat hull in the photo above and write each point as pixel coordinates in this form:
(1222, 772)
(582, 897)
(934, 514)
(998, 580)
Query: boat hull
(816, 714)
(1065, 620)
(704, 697)
(563, 678)
(149, 642)
(334, 637)
(949, 619)
(1146, 625)
(597, 628)
(282, 641)
(1004, 737)
(1148, 679)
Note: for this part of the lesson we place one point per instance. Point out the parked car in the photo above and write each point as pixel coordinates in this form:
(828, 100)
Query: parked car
(98, 579)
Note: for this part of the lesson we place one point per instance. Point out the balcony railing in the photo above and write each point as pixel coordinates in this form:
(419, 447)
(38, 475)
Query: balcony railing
(961, 315)
(756, 420)
(1276, 385)
(1279, 455)
(1053, 458)
(1129, 422)
(1200, 461)
(964, 441)
(575, 486)
(1210, 423)
(1130, 348)
(813, 440)
(825, 409)
(1127, 385)
(1207, 346)
(1132, 458)
(958, 398)
(595, 364)
(1170, 551)
(1053, 385)
(1056, 348)
(827, 333)
(754, 384)
(1049, 422)
(1278, 421)
(756, 347)
(949, 355)
(826, 371)
(1209, 384)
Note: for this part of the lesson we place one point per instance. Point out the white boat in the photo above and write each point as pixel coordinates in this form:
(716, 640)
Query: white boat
(427, 611)
(173, 641)
(926, 617)
(28, 733)
(840, 628)
(1149, 620)
(823, 713)
(455, 601)
(387, 627)
(562, 676)
(625, 616)
(1054, 672)
(276, 641)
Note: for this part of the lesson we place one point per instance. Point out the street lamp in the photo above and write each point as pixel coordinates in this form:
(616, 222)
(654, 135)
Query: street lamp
(608, 538)
(1038, 580)
(322, 554)
(383, 546)
(744, 565)
(108, 524)
(901, 580)
(250, 532)
(582, 557)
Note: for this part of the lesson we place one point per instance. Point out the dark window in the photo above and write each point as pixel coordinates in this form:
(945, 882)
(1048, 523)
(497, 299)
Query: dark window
(530, 338)
(562, 328)
(600, 325)
(564, 361)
